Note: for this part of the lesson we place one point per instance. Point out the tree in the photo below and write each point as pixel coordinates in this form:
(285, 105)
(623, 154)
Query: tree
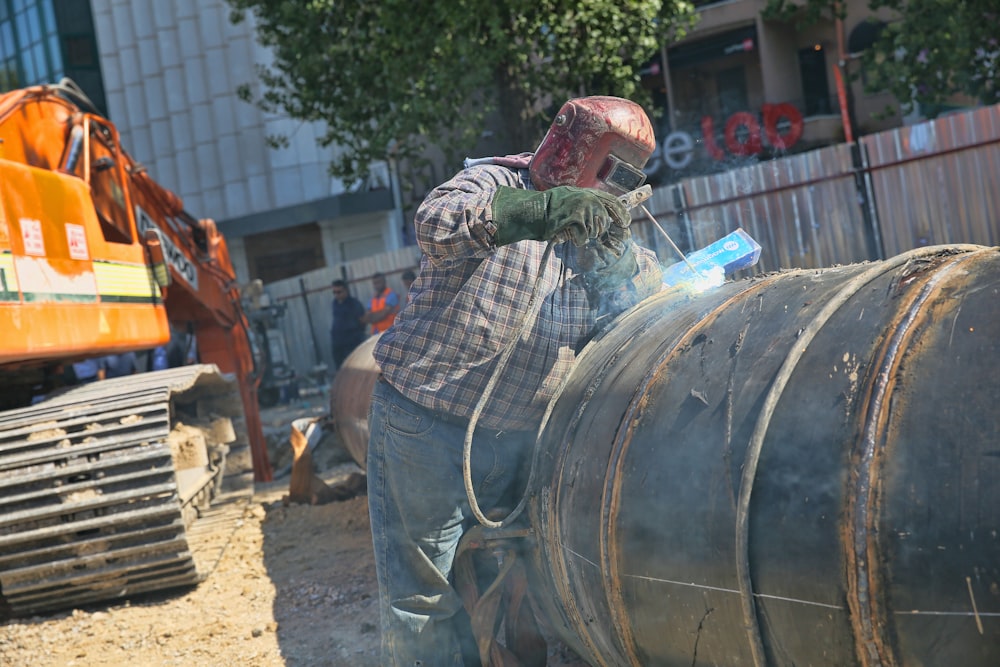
(387, 76)
(937, 49)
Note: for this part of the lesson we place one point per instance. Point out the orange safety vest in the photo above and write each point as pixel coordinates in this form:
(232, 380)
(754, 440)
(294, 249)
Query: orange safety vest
(378, 303)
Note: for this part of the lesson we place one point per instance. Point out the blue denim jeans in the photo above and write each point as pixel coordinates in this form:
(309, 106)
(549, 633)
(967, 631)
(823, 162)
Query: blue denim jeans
(419, 511)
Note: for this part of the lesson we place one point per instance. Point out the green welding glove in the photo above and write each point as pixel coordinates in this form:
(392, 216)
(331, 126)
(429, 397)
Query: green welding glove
(599, 254)
(572, 213)
(606, 267)
(607, 264)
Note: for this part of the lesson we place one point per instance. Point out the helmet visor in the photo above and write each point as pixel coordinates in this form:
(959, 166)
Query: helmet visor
(620, 175)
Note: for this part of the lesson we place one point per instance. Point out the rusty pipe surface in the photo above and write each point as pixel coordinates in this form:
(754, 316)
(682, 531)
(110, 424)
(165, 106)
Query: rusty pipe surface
(350, 397)
(799, 468)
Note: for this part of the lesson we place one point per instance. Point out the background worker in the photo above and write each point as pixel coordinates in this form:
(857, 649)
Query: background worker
(117, 365)
(86, 371)
(348, 328)
(383, 306)
(483, 235)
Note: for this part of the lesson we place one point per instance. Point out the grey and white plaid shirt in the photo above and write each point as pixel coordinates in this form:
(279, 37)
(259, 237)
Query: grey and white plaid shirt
(469, 300)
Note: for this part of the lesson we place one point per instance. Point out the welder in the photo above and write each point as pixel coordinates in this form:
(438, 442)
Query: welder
(484, 235)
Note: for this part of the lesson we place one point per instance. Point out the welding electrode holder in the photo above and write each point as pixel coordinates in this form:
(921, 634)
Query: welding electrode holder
(629, 200)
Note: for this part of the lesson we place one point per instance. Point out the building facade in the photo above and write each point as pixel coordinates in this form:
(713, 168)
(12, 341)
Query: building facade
(166, 73)
(739, 88)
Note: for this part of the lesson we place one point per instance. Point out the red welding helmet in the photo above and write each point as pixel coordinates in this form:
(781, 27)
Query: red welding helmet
(595, 142)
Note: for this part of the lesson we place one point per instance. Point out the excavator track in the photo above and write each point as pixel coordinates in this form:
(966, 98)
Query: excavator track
(119, 487)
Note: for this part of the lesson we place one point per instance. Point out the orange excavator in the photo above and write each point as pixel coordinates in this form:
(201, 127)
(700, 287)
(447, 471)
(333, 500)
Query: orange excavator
(121, 485)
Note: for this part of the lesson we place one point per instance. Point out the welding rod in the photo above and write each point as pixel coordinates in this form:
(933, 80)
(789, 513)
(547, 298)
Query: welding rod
(671, 242)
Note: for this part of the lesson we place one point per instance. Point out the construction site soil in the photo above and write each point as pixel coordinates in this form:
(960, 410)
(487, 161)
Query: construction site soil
(295, 586)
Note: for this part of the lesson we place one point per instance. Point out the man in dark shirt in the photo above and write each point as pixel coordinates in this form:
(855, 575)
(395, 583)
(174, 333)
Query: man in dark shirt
(348, 328)
(117, 365)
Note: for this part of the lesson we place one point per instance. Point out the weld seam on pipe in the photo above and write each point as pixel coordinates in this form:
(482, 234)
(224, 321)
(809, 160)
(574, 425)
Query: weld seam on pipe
(751, 621)
(863, 498)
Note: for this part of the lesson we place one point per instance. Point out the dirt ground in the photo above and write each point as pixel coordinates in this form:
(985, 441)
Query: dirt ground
(295, 586)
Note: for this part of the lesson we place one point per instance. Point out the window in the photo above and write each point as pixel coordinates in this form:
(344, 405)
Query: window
(732, 86)
(815, 88)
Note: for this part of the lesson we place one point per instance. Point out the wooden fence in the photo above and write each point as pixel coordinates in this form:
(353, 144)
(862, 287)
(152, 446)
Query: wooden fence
(933, 183)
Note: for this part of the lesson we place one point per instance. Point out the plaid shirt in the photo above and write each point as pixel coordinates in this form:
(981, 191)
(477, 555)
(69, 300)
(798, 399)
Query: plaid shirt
(469, 299)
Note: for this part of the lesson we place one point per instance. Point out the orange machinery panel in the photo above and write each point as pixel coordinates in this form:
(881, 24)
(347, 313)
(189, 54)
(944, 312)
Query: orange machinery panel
(65, 290)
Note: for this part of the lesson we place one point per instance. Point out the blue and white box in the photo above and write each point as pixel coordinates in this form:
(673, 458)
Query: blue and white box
(737, 250)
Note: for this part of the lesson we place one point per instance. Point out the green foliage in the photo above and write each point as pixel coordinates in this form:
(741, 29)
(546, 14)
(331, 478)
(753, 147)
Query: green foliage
(384, 76)
(938, 49)
(932, 51)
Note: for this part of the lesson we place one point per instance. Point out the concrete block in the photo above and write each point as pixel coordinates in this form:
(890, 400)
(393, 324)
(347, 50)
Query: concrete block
(248, 117)
(163, 15)
(156, 101)
(104, 29)
(287, 186)
(260, 193)
(223, 116)
(111, 71)
(237, 199)
(314, 179)
(213, 205)
(165, 172)
(194, 80)
(168, 44)
(239, 62)
(162, 138)
(116, 104)
(135, 106)
(194, 204)
(180, 129)
(228, 146)
(149, 56)
(140, 145)
(186, 8)
(201, 124)
(124, 32)
(176, 91)
(210, 20)
(254, 153)
(215, 69)
(130, 66)
(187, 170)
(208, 166)
(304, 142)
(142, 19)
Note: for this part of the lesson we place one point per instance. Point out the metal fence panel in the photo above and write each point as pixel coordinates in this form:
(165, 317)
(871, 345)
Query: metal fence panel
(308, 313)
(802, 209)
(937, 182)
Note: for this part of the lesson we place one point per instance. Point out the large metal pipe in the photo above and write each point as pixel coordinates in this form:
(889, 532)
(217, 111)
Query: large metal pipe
(798, 469)
(350, 397)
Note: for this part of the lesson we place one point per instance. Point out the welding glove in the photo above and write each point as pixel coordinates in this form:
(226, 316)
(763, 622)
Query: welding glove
(575, 213)
(608, 261)
(607, 266)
